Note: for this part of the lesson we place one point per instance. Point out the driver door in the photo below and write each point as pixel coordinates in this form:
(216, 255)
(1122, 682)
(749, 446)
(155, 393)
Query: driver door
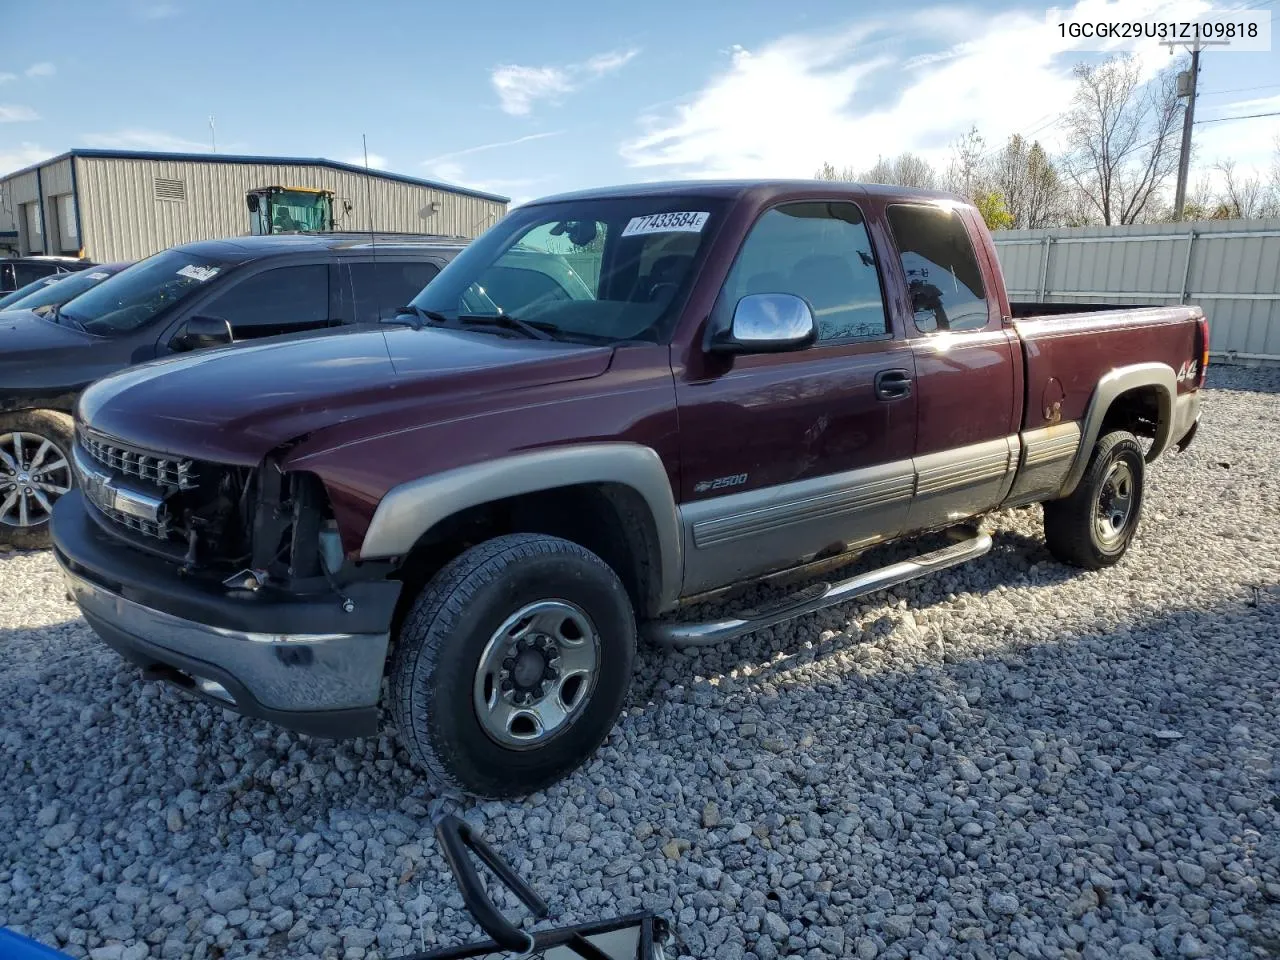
(788, 457)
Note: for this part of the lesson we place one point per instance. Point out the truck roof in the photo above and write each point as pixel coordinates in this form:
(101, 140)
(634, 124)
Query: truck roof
(736, 189)
(304, 242)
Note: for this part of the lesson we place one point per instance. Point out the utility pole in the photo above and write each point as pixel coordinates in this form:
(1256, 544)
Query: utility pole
(1188, 119)
(213, 134)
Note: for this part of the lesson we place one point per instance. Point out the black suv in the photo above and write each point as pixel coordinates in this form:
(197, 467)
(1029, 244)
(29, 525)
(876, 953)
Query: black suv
(210, 293)
(16, 272)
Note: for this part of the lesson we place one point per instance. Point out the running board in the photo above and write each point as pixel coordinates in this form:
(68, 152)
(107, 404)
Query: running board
(816, 597)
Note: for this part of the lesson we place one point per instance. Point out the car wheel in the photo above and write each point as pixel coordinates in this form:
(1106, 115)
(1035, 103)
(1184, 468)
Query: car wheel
(512, 665)
(1092, 528)
(35, 470)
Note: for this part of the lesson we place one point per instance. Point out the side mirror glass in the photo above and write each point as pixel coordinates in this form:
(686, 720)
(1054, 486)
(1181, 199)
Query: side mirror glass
(200, 332)
(767, 323)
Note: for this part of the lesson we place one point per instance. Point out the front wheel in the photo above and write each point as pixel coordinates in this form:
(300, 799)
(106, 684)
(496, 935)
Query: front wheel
(512, 665)
(1093, 526)
(35, 470)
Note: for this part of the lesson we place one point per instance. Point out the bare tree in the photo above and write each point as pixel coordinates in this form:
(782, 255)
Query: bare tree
(904, 170)
(829, 172)
(1122, 138)
(1033, 191)
(1273, 200)
(1243, 195)
(967, 173)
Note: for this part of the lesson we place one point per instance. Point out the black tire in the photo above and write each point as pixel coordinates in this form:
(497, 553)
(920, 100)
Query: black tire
(1073, 527)
(58, 430)
(437, 659)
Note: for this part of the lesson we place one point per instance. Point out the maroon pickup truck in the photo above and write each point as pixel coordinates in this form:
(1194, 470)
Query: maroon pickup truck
(611, 404)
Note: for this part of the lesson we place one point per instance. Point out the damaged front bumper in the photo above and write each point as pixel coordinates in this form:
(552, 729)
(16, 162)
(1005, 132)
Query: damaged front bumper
(310, 663)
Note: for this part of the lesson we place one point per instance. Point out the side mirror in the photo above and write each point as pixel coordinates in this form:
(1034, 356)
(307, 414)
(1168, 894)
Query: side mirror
(252, 201)
(200, 332)
(766, 323)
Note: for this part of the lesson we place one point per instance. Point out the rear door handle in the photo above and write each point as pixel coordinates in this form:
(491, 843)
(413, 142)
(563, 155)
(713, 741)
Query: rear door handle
(893, 384)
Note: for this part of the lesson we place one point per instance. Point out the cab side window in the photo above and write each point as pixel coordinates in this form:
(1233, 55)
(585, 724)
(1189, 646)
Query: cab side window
(283, 300)
(820, 252)
(943, 278)
(377, 289)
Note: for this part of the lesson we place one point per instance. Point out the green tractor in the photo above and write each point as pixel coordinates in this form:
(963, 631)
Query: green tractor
(289, 210)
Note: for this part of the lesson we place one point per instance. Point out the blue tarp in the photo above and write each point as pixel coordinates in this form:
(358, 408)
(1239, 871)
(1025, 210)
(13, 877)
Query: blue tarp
(14, 946)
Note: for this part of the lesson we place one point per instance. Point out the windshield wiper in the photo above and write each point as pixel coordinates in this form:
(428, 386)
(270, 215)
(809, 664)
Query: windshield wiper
(420, 316)
(58, 317)
(534, 331)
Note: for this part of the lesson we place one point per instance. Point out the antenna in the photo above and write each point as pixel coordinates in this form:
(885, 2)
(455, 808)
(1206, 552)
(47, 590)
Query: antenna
(373, 240)
(213, 134)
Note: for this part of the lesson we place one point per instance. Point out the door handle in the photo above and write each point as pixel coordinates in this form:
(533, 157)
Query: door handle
(892, 384)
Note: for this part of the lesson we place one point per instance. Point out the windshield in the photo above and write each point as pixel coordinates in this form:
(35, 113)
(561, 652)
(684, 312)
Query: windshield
(10, 300)
(72, 285)
(140, 293)
(605, 270)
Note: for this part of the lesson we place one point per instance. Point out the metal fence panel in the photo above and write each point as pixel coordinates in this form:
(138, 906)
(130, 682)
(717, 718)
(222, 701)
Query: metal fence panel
(1230, 268)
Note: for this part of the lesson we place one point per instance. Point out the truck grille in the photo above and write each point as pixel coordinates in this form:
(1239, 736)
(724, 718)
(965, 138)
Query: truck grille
(158, 529)
(152, 467)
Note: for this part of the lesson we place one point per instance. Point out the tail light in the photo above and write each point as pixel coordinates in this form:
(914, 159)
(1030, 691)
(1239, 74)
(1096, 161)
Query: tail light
(1204, 351)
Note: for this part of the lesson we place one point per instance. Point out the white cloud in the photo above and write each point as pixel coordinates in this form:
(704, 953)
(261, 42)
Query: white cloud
(520, 87)
(24, 155)
(603, 63)
(138, 139)
(376, 160)
(13, 113)
(454, 173)
(6, 77)
(1239, 108)
(42, 69)
(783, 109)
(453, 154)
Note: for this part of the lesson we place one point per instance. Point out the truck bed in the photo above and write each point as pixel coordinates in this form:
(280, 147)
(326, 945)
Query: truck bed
(1066, 354)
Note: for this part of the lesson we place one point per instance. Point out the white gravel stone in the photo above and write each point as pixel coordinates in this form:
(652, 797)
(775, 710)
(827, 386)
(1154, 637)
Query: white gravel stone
(974, 765)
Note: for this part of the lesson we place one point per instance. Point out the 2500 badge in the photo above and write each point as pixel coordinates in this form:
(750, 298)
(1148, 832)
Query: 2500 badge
(720, 483)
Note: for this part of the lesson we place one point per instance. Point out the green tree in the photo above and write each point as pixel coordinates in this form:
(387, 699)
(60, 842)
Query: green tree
(991, 205)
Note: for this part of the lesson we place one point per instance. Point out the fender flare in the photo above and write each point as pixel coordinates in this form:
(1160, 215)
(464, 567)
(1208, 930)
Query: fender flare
(1113, 384)
(410, 510)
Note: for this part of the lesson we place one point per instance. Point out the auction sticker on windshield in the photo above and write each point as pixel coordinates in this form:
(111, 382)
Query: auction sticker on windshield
(681, 222)
(198, 273)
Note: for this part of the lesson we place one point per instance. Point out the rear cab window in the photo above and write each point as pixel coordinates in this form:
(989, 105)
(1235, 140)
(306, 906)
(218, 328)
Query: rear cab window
(944, 281)
(821, 252)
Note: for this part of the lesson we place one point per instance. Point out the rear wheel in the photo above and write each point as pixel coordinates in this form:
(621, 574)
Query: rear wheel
(35, 470)
(512, 665)
(1093, 526)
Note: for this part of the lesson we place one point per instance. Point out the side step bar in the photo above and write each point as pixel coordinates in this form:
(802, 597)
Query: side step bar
(816, 597)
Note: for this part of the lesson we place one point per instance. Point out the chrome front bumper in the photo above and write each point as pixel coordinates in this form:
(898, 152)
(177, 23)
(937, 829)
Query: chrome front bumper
(325, 684)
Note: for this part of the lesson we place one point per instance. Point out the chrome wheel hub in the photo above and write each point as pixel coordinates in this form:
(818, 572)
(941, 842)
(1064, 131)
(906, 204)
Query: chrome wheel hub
(34, 473)
(536, 673)
(1115, 503)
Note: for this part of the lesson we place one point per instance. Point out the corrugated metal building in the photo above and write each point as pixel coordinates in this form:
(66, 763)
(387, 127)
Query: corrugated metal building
(1231, 268)
(125, 205)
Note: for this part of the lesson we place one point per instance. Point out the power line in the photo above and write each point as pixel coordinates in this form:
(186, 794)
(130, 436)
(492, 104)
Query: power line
(1218, 93)
(1250, 116)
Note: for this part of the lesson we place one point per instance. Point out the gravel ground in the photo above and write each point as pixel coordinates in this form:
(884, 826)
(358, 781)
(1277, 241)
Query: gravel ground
(1013, 759)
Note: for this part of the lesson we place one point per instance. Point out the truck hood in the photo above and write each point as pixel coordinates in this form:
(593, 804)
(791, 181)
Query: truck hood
(237, 404)
(30, 347)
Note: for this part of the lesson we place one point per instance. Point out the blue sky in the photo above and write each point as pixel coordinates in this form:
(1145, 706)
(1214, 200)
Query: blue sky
(533, 98)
